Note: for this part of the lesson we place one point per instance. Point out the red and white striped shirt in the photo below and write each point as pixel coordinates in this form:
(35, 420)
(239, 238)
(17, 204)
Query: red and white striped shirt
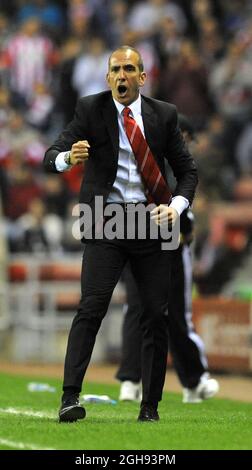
(29, 60)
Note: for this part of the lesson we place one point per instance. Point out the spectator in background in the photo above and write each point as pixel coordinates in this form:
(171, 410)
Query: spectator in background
(90, 67)
(118, 11)
(79, 18)
(56, 196)
(29, 58)
(36, 231)
(50, 14)
(145, 17)
(217, 255)
(169, 39)
(40, 108)
(211, 155)
(16, 135)
(184, 82)
(66, 95)
(79, 9)
(211, 43)
(22, 187)
(231, 87)
(231, 83)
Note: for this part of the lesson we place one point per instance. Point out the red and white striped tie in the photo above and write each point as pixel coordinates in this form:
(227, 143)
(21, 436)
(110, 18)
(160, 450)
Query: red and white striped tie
(156, 187)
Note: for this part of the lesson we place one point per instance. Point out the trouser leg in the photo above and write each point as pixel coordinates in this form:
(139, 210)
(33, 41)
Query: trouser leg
(130, 364)
(101, 268)
(151, 269)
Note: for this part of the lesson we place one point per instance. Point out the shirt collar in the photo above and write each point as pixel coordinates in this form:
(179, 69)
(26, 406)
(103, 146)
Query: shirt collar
(135, 106)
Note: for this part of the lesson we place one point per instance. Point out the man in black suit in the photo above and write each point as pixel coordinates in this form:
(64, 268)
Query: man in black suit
(98, 134)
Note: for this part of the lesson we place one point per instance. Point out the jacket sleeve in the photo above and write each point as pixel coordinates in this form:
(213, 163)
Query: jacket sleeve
(181, 161)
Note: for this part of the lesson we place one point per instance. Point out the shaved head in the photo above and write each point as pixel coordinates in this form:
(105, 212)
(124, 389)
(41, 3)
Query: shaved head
(132, 49)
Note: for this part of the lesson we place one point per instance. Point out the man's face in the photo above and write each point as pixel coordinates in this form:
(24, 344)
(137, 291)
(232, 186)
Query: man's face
(124, 77)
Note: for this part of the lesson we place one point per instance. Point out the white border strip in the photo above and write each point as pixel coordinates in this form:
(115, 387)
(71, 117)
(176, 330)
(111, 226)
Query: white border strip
(31, 413)
(22, 445)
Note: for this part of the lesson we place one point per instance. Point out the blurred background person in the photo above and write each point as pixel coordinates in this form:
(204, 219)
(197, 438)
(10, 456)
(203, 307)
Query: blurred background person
(186, 346)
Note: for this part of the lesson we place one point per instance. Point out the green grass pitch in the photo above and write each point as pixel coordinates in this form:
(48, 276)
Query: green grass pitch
(28, 420)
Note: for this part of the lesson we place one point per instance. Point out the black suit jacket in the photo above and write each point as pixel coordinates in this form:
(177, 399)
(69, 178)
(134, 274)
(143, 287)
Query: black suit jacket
(96, 120)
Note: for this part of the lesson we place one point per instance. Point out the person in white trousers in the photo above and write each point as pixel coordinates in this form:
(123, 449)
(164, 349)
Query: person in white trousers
(186, 346)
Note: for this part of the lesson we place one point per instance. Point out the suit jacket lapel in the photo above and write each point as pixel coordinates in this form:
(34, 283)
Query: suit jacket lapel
(110, 117)
(150, 122)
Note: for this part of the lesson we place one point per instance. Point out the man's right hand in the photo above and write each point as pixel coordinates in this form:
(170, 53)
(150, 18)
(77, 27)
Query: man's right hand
(79, 152)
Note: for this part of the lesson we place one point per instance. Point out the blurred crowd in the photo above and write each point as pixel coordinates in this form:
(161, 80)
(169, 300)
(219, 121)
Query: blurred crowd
(197, 54)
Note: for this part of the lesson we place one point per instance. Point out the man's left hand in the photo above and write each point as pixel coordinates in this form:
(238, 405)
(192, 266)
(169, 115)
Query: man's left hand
(164, 214)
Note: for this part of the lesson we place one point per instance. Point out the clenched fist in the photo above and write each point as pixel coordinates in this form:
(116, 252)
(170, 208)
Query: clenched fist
(164, 214)
(79, 152)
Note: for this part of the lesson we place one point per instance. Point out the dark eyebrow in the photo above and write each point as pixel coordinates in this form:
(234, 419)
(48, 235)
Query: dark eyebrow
(114, 68)
(129, 67)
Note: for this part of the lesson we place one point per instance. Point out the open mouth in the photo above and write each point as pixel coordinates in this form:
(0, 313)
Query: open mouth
(122, 90)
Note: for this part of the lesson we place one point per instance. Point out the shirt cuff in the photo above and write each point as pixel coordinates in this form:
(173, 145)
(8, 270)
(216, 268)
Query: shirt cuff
(179, 203)
(60, 163)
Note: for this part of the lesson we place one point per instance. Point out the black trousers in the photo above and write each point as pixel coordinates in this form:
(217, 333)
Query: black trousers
(185, 345)
(103, 262)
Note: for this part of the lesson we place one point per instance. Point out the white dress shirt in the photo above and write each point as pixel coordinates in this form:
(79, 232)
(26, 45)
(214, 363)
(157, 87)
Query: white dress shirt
(128, 186)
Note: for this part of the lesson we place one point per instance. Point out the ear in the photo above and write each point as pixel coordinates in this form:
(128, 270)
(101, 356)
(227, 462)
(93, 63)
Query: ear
(142, 79)
(108, 79)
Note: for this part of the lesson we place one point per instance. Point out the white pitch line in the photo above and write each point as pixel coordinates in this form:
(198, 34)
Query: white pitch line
(35, 414)
(22, 445)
